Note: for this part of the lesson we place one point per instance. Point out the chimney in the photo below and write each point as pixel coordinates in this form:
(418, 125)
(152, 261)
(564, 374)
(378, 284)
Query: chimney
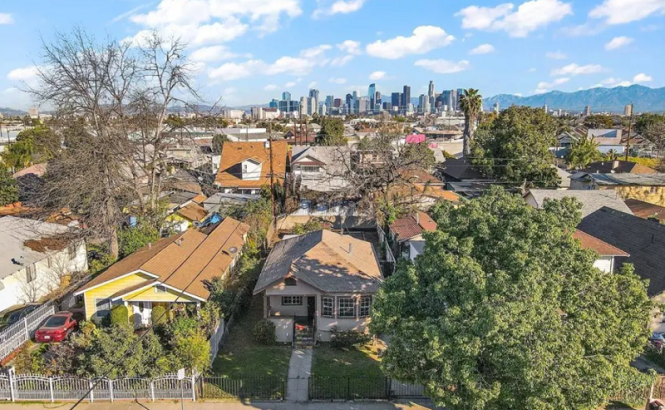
(615, 164)
(267, 144)
(350, 248)
(149, 245)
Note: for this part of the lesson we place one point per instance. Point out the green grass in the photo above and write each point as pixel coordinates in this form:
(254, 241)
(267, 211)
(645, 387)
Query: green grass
(353, 373)
(241, 356)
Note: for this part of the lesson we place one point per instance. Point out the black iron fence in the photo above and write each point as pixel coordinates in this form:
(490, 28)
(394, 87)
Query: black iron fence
(362, 388)
(244, 388)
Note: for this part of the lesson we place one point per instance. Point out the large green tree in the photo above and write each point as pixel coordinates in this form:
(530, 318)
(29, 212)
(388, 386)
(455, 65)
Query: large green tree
(504, 310)
(8, 187)
(515, 147)
(470, 102)
(332, 131)
(33, 145)
(582, 153)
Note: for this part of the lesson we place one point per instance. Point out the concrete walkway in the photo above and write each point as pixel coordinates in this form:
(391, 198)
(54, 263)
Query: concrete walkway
(300, 367)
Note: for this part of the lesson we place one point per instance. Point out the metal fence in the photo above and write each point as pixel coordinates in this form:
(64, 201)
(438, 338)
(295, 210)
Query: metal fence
(29, 387)
(252, 387)
(362, 388)
(14, 336)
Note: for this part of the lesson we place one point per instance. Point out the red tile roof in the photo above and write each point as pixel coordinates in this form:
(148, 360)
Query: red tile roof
(412, 225)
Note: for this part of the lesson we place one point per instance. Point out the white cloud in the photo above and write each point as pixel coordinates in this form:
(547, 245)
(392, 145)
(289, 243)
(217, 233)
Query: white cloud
(326, 8)
(582, 30)
(350, 46)
(236, 71)
(290, 84)
(574, 69)
(528, 17)
(626, 11)
(312, 84)
(482, 49)
(548, 86)
(271, 87)
(377, 75)
(642, 78)
(341, 61)
(315, 52)
(6, 18)
(651, 27)
(556, 55)
(337, 80)
(26, 74)
(613, 82)
(213, 53)
(195, 34)
(517, 94)
(443, 66)
(423, 40)
(618, 42)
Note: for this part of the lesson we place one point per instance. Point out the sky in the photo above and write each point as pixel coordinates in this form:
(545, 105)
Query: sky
(250, 51)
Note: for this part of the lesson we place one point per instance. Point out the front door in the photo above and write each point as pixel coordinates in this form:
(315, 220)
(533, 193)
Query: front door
(311, 307)
(141, 311)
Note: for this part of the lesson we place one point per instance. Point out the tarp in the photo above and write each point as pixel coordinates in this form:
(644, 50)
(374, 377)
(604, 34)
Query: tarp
(415, 138)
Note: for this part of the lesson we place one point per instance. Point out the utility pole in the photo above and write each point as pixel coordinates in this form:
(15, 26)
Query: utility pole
(272, 181)
(306, 131)
(630, 127)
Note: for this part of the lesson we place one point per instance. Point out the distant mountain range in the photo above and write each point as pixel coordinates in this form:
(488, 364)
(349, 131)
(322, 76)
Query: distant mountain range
(614, 99)
(10, 112)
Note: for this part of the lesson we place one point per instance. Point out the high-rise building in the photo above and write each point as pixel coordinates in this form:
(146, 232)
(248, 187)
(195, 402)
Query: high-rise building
(387, 106)
(395, 99)
(423, 104)
(337, 103)
(628, 110)
(430, 91)
(406, 97)
(460, 93)
(273, 103)
(304, 105)
(349, 101)
(377, 102)
(313, 106)
(363, 105)
(286, 104)
(371, 94)
(323, 110)
(286, 96)
(329, 101)
(495, 108)
(447, 98)
(587, 110)
(545, 108)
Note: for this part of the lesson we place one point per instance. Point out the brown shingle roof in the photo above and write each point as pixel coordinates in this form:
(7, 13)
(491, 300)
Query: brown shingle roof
(193, 212)
(412, 225)
(181, 259)
(645, 210)
(233, 153)
(602, 248)
(322, 260)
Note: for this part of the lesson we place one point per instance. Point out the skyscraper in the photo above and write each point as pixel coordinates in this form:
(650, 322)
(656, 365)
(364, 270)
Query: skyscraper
(349, 101)
(495, 108)
(454, 100)
(377, 102)
(430, 91)
(395, 99)
(304, 105)
(363, 104)
(587, 110)
(406, 97)
(329, 101)
(628, 110)
(460, 93)
(286, 96)
(371, 94)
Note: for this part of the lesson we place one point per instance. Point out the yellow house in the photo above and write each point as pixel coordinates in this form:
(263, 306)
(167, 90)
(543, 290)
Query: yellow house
(176, 268)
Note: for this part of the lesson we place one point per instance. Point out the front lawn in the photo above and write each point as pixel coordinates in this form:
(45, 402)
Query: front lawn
(347, 374)
(241, 356)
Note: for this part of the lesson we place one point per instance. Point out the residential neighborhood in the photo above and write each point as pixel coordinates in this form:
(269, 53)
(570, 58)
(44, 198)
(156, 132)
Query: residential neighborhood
(200, 206)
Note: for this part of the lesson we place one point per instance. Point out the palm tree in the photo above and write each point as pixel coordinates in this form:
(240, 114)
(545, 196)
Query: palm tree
(470, 102)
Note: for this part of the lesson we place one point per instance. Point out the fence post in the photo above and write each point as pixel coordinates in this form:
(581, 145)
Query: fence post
(92, 393)
(12, 390)
(193, 387)
(50, 385)
(27, 330)
(152, 390)
(110, 382)
(348, 388)
(388, 384)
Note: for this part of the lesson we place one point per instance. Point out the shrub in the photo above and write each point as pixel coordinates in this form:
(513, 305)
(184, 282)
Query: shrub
(264, 332)
(29, 360)
(342, 339)
(158, 315)
(134, 238)
(119, 315)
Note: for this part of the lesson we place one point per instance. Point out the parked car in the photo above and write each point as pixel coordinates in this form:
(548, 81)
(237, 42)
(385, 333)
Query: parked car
(17, 313)
(56, 328)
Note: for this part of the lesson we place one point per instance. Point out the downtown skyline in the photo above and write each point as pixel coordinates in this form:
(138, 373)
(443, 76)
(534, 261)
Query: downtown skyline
(249, 54)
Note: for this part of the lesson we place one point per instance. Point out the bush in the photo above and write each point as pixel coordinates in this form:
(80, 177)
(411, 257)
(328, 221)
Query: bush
(264, 332)
(343, 339)
(119, 315)
(134, 238)
(158, 315)
(29, 359)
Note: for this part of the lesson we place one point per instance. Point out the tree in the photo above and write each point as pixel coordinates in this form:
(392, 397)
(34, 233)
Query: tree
(8, 187)
(505, 310)
(309, 226)
(582, 153)
(515, 147)
(332, 131)
(599, 121)
(120, 315)
(134, 238)
(189, 345)
(218, 141)
(470, 102)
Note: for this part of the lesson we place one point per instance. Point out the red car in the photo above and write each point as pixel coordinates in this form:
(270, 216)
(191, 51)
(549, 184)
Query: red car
(56, 328)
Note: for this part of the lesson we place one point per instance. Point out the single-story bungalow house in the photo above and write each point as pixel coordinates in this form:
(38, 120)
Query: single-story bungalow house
(178, 268)
(591, 200)
(245, 166)
(35, 259)
(406, 234)
(319, 280)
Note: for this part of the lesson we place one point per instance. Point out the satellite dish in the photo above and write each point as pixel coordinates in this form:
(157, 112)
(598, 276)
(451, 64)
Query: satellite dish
(233, 249)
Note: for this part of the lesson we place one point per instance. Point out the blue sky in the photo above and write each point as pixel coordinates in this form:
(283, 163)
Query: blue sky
(249, 51)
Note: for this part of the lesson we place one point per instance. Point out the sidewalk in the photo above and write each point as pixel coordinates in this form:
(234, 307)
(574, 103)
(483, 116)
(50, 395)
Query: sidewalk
(175, 405)
(300, 368)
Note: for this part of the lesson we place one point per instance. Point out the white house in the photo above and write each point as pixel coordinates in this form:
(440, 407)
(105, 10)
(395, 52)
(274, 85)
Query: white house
(320, 168)
(313, 282)
(35, 258)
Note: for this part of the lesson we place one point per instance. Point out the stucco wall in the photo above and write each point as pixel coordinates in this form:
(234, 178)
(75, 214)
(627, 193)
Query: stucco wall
(604, 263)
(652, 195)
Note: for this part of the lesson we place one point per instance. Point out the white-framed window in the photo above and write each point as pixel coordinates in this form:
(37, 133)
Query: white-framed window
(30, 273)
(103, 307)
(365, 307)
(160, 289)
(346, 308)
(291, 300)
(328, 307)
(310, 169)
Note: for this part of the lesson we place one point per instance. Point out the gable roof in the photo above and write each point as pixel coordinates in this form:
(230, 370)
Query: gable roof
(591, 200)
(460, 169)
(193, 212)
(233, 153)
(192, 256)
(322, 260)
(602, 248)
(412, 225)
(644, 240)
(655, 179)
(619, 167)
(645, 210)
